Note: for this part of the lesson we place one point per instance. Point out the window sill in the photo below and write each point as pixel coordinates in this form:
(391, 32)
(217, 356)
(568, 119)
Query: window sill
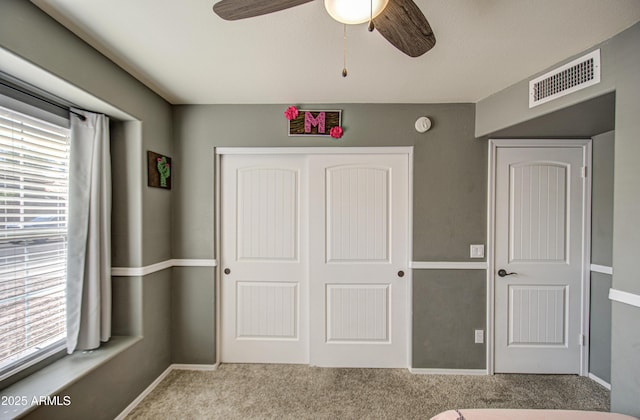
(23, 396)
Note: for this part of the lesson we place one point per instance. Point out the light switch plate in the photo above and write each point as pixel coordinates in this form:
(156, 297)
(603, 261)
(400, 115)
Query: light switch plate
(479, 336)
(477, 251)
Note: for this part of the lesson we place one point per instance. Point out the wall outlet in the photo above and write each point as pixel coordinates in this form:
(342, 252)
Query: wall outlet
(477, 251)
(479, 336)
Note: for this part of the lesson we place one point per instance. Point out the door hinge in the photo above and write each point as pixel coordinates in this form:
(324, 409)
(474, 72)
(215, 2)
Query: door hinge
(581, 340)
(583, 172)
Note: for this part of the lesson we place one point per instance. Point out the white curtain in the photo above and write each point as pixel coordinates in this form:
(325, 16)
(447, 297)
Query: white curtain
(89, 244)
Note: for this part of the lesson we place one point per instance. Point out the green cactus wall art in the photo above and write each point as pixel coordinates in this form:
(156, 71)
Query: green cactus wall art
(159, 170)
(165, 170)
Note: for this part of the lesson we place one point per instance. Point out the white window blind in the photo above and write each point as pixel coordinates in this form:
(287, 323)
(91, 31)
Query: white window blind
(34, 175)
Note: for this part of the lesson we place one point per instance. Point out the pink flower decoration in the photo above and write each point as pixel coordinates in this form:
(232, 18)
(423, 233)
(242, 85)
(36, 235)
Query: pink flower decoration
(291, 113)
(159, 159)
(336, 132)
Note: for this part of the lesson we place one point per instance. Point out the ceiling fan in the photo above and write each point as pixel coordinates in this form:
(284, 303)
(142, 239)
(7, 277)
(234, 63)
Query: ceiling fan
(399, 21)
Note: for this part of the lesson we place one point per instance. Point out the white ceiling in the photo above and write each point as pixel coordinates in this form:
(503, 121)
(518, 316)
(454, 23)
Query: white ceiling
(188, 55)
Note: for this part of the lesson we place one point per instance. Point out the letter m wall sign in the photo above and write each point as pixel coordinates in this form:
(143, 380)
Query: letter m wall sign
(315, 123)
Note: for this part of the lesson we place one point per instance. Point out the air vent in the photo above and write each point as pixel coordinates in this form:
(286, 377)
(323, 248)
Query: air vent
(573, 76)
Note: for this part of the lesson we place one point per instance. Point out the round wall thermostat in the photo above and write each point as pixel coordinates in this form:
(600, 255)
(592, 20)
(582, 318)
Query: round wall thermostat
(423, 124)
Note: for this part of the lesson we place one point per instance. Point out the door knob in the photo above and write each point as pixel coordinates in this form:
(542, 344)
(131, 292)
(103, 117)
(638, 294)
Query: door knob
(227, 271)
(400, 273)
(502, 273)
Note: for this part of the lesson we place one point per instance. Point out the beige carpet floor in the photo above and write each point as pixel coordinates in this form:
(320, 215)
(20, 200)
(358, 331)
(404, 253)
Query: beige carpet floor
(303, 392)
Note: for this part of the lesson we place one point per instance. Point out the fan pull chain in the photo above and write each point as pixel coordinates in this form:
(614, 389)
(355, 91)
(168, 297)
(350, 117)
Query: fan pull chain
(371, 27)
(344, 68)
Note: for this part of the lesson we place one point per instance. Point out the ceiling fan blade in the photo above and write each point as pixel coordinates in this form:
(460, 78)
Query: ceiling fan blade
(242, 9)
(403, 25)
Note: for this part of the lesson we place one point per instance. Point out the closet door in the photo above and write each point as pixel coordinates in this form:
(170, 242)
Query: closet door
(264, 259)
(358, 260)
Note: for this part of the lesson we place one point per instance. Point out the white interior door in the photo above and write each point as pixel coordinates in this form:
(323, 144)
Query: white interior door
(264, 255)
(539, 220)
(358, 247)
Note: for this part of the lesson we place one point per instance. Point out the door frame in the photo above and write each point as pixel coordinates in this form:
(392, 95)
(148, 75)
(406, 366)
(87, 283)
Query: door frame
(585, 145)
(221, 151)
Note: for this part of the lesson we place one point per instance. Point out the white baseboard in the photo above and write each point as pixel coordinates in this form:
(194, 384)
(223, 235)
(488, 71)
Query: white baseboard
(157, 381)
(178, 366)
(430, 371)
(600, 381)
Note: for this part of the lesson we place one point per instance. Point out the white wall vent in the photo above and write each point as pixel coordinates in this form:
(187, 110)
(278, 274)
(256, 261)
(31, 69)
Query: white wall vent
(566, 79)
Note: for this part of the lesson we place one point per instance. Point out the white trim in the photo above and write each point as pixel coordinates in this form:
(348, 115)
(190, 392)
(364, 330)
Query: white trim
(543, 143)
(448, 265)
(491, 220)
(183, 366)
(600, 381)
(141, 271)
(586, 145)
(601, 269)
(149, 269)
(587, 160)
(401, 150)
(194, 263)
(409, 303)
(429, 371)
(128, 409)
(217, 239)
(624, 297)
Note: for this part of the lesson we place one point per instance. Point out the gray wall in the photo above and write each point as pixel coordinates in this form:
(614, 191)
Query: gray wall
(582, 120)
(449, 206)
(141, 216)
(601, 250)
(602, 199)
(600, 327)
(625, 334)
(193, 315)
(448, 305)
(620, 63)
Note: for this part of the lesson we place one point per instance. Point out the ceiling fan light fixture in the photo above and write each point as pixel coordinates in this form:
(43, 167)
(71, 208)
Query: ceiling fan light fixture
(352, 12)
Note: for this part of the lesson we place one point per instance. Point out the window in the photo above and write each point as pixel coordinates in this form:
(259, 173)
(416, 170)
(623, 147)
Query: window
(34, 177)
